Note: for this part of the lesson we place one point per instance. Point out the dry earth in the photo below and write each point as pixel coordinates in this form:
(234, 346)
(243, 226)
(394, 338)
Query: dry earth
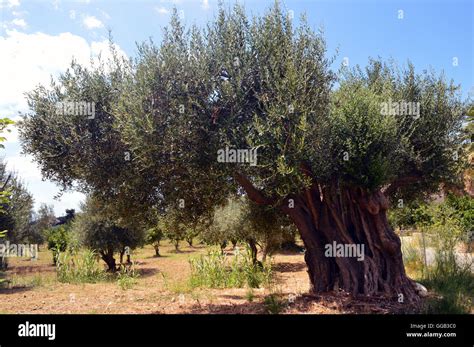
(163, 288)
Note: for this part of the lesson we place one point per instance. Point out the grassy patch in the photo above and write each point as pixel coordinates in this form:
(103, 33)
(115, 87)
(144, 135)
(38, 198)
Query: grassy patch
(177, 287)
(79, 268)
(274, 304)
(215, 270)
(250, 295)
(454, 285)
(413, 258)
(127, 277)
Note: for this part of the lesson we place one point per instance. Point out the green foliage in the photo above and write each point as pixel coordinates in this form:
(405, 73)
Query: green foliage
(58, 239)
(274, 304)
(241, 220)
(261, 83)
(44, 219)
(216, 271)
(227, 224)
(4, 123)
(153, 237)
(127, 277)
(79, 267)
(463, 212)
(250, 295)
(17, 208)
(451, 276)
(364, 135)
(99, 230)
(416, 214)
(173, 226)
(267, 226)
(455, 290)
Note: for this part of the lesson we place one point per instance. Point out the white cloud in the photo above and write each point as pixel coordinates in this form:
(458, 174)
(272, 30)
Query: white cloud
(30, 59)
(205, 4)
(19, 13)
(9, 3)
(25, 167)
(72, 14)
(162, 10)
(104, 14)
(55, 4)
(19, 23)
(92, 22)
(27, 60)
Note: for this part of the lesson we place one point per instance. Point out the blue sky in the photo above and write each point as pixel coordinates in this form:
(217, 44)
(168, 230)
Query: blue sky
(38, 39)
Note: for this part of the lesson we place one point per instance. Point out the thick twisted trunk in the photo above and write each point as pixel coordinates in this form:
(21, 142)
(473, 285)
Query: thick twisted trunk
(350, 218)
(349, 243)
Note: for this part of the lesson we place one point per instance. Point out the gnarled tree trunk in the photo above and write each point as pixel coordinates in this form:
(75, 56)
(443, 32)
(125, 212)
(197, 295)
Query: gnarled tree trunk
(351, 216)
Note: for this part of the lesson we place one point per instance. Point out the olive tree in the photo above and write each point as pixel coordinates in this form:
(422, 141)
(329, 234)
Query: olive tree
(330, 156)
(98, 229)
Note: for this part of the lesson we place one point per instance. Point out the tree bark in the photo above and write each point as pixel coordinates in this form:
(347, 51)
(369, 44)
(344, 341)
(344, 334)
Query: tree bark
(223, 245)
(108, 258)
(347, 216)
(253, 250)
(122, 252)
(157, 250)
(190, 241)
(356, 217)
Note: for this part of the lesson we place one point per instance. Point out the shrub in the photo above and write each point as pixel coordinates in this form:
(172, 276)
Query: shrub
(58, 239)
(214, 270)
(273, 304)
(463, 212)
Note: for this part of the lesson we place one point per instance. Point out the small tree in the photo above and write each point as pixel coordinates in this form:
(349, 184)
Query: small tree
(4, 194)
(268, 227)
(44, 219)
(99, 230)
(154, 237)
(241, 220)
(58, 239)
(174, 228)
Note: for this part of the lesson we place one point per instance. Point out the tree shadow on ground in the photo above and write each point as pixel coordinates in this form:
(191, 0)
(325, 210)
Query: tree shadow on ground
(184, 251)
(25, 269)
(289, 267)
(328, 303)
(147, 272)
(15, 289)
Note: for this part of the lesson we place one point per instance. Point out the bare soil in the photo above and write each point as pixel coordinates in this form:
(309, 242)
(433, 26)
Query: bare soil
(163, 287)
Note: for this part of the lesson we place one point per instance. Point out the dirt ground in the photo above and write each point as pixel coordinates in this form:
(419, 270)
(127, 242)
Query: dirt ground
(162, 287)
